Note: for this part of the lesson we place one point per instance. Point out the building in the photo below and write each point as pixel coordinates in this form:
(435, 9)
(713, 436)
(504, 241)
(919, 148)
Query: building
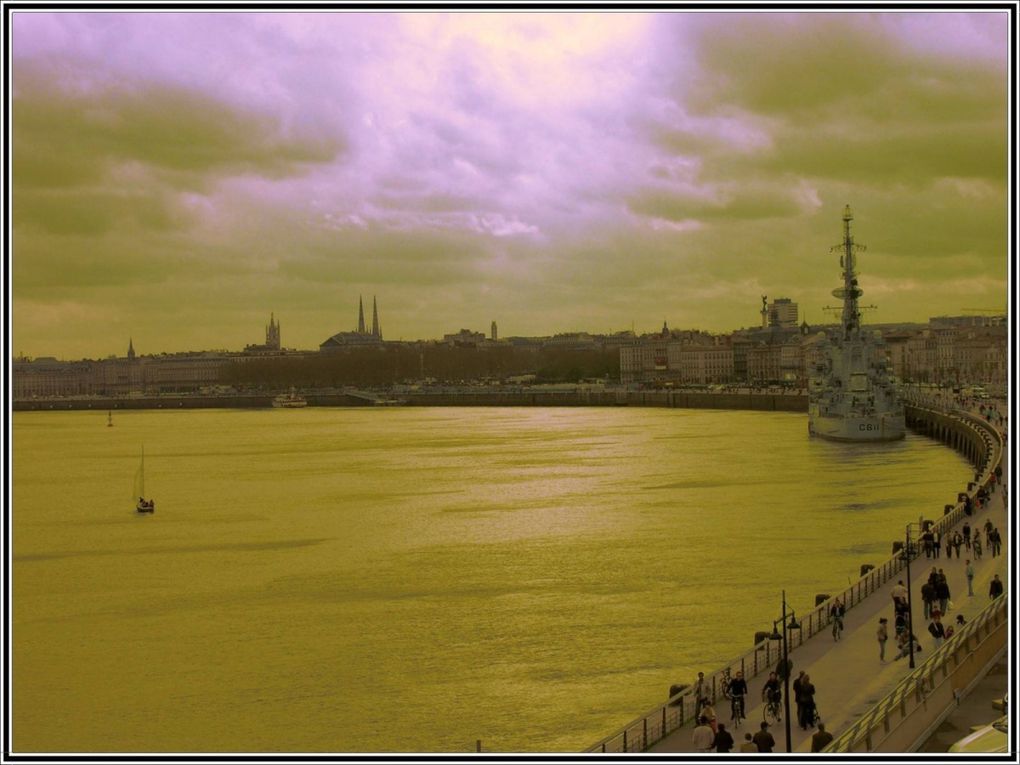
(360, 338)
(119, 376)
(689, 357)
(783, 313)
(465, 338)
(272, 344)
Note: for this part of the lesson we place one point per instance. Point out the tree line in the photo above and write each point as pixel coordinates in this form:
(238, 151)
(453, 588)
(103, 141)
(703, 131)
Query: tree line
(388, 365)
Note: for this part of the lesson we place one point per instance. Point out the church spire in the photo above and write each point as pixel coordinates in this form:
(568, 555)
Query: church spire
(361, 316)
(376, 331)
(131, 349)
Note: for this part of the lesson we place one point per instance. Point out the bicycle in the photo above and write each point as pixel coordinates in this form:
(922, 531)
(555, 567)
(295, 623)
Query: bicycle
(724, 684)
(772, 711)
(737, 710)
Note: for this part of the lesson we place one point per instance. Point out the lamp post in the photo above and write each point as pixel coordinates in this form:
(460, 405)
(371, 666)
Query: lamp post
(788, 624)
(910, 601)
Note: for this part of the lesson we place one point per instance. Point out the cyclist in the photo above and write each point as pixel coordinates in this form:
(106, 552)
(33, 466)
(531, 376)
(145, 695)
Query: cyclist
(836, 611)
(772, 694)
(737, 691)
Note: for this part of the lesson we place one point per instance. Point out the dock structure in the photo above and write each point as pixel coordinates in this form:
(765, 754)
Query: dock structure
(867, 704)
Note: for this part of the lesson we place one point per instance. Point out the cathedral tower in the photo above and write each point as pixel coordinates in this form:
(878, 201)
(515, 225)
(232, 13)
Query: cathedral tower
(376, 331)
(273, 334)
(361, 316)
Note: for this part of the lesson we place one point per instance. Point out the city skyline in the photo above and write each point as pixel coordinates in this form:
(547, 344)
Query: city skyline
(179, 176)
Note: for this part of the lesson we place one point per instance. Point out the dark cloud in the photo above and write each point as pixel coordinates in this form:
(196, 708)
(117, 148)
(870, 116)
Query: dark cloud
(187, 137)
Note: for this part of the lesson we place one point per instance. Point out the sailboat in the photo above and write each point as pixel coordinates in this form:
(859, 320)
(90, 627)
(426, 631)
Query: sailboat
(144, 505)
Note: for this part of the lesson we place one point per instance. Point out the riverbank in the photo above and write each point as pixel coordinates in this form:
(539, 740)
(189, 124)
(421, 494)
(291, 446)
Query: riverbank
(743, 399)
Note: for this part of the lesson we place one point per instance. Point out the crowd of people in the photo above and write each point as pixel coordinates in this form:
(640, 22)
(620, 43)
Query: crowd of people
(966, 544)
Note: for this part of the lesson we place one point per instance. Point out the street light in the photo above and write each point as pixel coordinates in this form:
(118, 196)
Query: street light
(910, 600)
(788, 624)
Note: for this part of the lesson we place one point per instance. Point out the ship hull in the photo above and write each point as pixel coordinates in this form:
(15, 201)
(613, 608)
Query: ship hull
(872, 428)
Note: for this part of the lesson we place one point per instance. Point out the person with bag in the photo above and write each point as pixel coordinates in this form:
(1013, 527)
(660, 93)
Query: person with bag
(806, 702)
(937, 630)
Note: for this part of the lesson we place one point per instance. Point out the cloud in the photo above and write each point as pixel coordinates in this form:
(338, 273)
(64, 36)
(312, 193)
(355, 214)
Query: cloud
(578, 170)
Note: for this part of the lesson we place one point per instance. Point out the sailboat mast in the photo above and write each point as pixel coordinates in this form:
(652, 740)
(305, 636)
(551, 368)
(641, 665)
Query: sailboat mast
(142, 474)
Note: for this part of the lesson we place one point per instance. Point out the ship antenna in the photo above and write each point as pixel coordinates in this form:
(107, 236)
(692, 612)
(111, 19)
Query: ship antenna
(850, 291)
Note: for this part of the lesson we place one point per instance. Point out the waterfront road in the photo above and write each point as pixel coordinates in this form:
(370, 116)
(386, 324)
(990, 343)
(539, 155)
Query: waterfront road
(848, 677)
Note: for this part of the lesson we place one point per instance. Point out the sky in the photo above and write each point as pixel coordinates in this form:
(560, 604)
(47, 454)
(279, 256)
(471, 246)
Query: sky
(177, 177)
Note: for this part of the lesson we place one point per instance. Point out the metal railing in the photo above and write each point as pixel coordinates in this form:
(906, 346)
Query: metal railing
(916, 687)
(680, 708)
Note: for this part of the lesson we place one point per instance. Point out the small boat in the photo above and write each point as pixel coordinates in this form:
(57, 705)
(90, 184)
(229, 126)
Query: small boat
(290, 400)
(144, 505)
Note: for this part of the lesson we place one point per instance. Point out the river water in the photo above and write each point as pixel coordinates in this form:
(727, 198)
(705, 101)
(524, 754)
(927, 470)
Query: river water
(413, 579)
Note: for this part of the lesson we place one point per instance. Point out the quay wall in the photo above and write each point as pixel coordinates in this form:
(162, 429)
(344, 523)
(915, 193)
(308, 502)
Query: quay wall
(239, 401)
(674, 399)
(976, 439)
(756, 401)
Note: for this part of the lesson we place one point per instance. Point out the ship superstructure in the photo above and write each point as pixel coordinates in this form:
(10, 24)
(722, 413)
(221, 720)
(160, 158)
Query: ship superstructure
(852, 396)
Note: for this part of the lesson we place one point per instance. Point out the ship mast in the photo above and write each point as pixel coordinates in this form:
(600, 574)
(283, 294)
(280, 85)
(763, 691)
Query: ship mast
(849, 292)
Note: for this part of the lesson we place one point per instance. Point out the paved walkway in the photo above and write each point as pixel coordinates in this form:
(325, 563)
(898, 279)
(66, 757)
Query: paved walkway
(847, 675)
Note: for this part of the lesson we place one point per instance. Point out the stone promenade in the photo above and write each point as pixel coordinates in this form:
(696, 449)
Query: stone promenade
(847, 674)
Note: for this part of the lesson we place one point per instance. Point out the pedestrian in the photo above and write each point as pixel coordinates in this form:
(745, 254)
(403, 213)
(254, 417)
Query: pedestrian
(937, 542)
(798, 700)
(708, 712)
(942, 593)
(821, 739)
(927, 539)
(949, 546)
(899, 593)
(966, 534)
(763, 739)
(700, 693)
(927, 598)
(784, 668)
(807, 703)
(995, 588)
(883, 635)
(970, 578)
(975, 544)
(723, 740)
(996, 542)
(988, 527)
(903, 642)
(957, 543)
(703, 738)
(901, 623)
(748, 745)
(937, 630)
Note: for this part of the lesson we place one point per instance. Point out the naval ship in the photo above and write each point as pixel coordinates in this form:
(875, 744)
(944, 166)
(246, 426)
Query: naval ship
(851, 394)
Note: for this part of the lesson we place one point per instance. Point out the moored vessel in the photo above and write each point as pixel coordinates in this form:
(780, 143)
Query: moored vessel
(851, 394)
(290, 400)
